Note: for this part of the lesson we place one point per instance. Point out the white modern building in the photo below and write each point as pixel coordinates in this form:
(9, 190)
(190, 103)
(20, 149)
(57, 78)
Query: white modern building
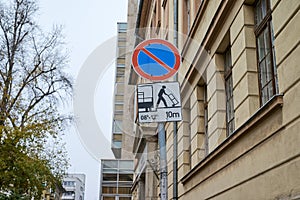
(74, 184)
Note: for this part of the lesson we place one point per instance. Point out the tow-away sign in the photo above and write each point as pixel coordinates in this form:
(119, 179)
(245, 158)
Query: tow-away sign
(159, 102)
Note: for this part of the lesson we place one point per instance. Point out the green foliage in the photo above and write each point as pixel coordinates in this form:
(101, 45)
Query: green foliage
(32, 84)
(22, 175)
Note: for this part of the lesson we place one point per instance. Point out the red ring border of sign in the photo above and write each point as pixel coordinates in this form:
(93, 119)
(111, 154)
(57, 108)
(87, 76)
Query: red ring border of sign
(155, 41)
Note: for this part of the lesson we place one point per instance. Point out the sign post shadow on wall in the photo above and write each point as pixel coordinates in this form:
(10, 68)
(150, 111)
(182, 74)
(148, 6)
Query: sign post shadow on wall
(158, 60)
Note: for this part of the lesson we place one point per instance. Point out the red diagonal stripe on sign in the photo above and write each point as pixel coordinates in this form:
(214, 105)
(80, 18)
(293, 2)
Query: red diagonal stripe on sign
(157, 60)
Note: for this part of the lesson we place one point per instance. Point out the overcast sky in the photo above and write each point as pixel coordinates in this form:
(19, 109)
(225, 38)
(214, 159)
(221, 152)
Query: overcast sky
(87, 25)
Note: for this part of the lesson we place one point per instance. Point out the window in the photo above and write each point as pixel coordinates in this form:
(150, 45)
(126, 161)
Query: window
(117, 144)
(117, 138)
(69, 193)
(121, 65)
(109, 190)
(186, 126)
(206, 119)
(108, 198)
(126, 164)
(187, 17)
(122, 27)
(117, 128)
(109, 177)
(229, 91)
(110, 164)
(124, 190)
(124, 198)
(126, 177)
(69, 183)
(265, 51)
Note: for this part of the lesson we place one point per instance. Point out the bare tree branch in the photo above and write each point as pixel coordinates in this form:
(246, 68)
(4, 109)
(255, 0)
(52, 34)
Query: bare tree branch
(32, 84)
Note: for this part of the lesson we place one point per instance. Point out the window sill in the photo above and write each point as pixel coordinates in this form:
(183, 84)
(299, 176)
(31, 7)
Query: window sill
(266, 109)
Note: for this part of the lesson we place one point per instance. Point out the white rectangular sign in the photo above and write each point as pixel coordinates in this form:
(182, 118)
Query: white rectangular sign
(159, 102)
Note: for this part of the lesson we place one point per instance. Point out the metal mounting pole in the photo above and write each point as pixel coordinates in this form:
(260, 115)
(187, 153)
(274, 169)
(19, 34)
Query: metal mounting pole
(175, 137)
(163, 162)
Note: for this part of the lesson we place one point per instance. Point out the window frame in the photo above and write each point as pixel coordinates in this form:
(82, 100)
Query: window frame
(188, 12)
(260, 27)
(205, 99)
(228, 91)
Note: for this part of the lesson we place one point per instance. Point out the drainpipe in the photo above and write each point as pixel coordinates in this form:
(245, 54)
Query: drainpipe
(175, 146)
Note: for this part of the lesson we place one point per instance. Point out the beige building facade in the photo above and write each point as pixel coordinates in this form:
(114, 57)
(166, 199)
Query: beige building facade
(240, 91)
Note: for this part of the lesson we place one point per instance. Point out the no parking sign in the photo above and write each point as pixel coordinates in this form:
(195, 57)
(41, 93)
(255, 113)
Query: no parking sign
(156, 59)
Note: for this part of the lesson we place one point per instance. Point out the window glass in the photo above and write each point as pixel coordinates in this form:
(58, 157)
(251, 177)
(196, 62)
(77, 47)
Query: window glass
(69, 193)
(117, 144)
(117, 128)
(122, 27)
(108, 198)
(124, 198)
(124, 190)
(117, 137)
(109, 177)
(110, 164)
(69, 183)
(109, 190)
(125, 177)
(124, 164)
(206, 119)
(261, 11)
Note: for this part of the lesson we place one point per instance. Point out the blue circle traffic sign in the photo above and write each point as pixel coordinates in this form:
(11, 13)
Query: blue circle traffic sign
(156, 59)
